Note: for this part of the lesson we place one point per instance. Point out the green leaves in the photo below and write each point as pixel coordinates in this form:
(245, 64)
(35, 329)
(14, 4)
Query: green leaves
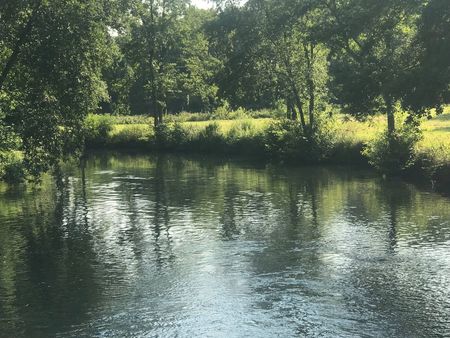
(52, 58)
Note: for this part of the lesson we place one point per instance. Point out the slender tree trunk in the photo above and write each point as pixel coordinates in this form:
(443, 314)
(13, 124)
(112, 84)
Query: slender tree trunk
(294, 114)
(295, 92)
(311, 107)
(291, 111)
(299, 104)
(300, 109)
(311, 86)
(309, 57)
(154, 102)
(390, 116)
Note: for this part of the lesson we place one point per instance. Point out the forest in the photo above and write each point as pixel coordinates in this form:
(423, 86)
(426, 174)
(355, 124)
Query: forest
(310, 81)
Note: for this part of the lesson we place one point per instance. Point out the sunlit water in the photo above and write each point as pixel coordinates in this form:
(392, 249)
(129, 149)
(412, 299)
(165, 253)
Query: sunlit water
(141, 246)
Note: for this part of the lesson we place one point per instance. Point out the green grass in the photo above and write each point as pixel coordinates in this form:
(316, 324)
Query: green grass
(436, 132)
(248, 136)
(225, 126)
(140, 131)
(436, 138)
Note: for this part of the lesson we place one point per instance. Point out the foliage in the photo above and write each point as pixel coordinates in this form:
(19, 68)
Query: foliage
(170, 136)
(51, 54)
(131, 119)
(12, 169)
(393, 153)
(288, 140)
(428, 84)
(301, 60)
(97, 129)
(341, 142)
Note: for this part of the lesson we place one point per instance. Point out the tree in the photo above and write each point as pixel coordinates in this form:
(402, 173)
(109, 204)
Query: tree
(274, 46)
(428, 85)
(242, 79)
(372, 53)
(198, 67)
(50, 61)
(153, 51)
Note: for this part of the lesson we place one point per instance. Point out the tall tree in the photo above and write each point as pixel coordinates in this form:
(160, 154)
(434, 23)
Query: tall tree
(274, 45)
(50, 61)
(154, 50)
(372, 45)
(428, 84)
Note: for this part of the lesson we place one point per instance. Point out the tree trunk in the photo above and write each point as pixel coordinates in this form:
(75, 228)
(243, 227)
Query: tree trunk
(300, 109)
(154, 102)
(291, 112)
(309, 56)
(311, 88)
(294, 114)
(390, 116)
(299, 104)
(157, 117)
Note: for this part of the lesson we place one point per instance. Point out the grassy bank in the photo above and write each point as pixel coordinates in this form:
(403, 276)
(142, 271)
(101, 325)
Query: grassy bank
(340, 140)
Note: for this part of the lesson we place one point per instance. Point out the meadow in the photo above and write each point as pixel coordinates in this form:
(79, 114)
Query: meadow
(435, 141)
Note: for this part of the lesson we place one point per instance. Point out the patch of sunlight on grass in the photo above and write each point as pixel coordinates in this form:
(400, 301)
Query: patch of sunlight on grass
(226, 125)
(436, 131)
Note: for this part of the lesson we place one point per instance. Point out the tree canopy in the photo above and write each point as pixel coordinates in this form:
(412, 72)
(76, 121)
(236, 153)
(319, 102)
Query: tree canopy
(60, 60)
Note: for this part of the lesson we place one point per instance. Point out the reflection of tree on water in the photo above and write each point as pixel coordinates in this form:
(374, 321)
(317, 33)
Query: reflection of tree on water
(395, 284)
(161, 218)
(394, 196)
(228, 217)
(57, 283)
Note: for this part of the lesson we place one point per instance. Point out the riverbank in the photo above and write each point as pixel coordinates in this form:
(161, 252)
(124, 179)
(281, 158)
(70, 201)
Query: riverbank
(341, 142)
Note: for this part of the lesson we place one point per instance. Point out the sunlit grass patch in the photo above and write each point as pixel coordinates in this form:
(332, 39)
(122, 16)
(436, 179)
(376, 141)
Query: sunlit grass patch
(225, 126)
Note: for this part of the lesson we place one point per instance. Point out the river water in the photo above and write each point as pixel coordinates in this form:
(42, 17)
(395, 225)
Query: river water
(146, 246)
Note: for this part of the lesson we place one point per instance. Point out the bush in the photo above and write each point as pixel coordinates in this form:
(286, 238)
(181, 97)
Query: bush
(209, 139)
(12, 169)
(287, 140)
(97, 129)
(267, 113)
(170, 136)
(130, 136)
(188, 117)
(392, 154)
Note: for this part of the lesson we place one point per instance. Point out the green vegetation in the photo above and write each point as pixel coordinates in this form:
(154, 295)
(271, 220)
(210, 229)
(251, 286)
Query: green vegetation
(306, 81)
(341, 140)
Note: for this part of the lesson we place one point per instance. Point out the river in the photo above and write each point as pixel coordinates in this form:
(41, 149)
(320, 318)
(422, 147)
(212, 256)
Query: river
(166, 246)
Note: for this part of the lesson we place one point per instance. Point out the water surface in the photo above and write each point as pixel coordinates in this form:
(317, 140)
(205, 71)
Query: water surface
(145, 246)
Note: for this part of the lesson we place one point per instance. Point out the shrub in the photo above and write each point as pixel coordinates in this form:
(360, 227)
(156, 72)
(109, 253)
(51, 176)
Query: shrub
(12, 169)
(434, 161)
(132, 119)
(392, 154)
(188, 117)
(97, 129)
(288, 140)
(224, 112)
(245, 138)
(170, 136)
(208, 139)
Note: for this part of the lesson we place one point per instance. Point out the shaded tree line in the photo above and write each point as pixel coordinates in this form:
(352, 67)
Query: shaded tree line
(60, 60)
